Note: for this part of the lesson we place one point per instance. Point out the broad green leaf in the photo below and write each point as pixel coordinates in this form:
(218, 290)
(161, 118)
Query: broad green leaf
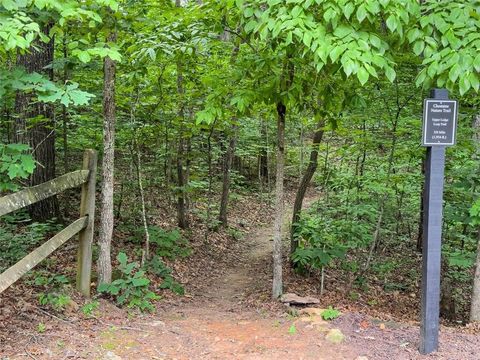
(363, 75)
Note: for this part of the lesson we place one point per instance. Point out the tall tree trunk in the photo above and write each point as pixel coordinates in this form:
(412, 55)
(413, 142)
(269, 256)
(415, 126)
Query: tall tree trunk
(227, 165)
(104, 264)
(181, 206)
(41, 135)
(181, 201)
(305, 182)
(277, 286)
(475, 306)
(264, 153)
(66, 76)
(230, 153)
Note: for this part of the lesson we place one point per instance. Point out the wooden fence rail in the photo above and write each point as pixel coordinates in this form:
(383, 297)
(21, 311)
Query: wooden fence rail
(83, 226)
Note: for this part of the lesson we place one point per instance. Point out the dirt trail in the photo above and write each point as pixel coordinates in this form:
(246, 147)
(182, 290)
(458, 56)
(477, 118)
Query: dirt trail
(243, 276)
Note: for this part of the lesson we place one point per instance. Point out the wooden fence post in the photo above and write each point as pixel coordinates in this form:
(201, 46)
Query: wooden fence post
(87, 208)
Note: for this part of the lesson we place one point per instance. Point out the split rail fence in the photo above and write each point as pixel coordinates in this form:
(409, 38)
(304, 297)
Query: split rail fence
(84, 226)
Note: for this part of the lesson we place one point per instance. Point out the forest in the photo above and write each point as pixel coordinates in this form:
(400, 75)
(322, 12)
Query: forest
(249, 174)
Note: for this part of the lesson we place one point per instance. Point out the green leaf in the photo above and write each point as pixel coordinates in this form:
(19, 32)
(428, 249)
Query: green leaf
(476, 63)
(122, 258)
(418, 47)
(473, 78)
(84, 56)
(464, 84)
(307, 38)
(140, 282)
(348, 10)
(361, 13)
(390, 74)
(392, 23)
(248, 12)
(454, 73)
(250, 26)
(363, 75)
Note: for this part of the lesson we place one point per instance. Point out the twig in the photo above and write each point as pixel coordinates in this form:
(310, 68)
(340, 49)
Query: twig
(120, 327)
(54, 316)
(29, 355)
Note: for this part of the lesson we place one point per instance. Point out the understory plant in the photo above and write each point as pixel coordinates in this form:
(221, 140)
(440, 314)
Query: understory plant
(54, 292)
(318, 243)
(132, 288)
(158, 267)
(17, 240)
(15, 164)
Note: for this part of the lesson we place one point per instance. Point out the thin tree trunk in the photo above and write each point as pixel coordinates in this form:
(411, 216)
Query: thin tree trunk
(227, 163)
(264, 154)
(181, 207)
(277, 286)
(146, 252)
(383, 201)
(64, 108)
(41, 135)
(305, 182)
(475, 306)
(104, 264)
(210, 180)
(226, 175)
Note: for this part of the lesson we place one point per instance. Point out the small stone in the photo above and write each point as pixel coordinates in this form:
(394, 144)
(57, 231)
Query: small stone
(311, 311)
(335, 336)
(72, 306)
(157, 323)
(110, 355)
(294, 299)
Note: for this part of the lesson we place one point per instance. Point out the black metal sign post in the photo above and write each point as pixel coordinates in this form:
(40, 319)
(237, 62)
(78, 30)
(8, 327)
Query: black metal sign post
(439, 131)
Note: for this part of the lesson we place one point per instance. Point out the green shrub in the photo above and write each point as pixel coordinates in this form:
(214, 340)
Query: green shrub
(330, 314)
(15, 163)
(90, 307)
(16, 242)
(169, 244)
(132, 289)
(157, 266)
(318, 243)
(53, 293)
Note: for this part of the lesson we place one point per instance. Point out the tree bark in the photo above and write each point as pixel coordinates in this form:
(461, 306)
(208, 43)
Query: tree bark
(227, 165)
(475, 306)
(104, 264)
(181, 180)
(264, 154)
(181, 206)
(277, 286)
(65, 118)
(305, 182)
(41, 134)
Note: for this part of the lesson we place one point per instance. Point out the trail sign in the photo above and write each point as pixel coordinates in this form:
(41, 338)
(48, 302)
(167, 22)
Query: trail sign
(439, 122)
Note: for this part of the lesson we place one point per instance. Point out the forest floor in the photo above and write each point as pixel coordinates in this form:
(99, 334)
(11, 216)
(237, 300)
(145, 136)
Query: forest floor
(227, 315)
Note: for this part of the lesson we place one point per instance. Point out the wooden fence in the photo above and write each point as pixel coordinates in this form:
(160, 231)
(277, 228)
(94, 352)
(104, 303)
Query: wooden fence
(84, 226)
